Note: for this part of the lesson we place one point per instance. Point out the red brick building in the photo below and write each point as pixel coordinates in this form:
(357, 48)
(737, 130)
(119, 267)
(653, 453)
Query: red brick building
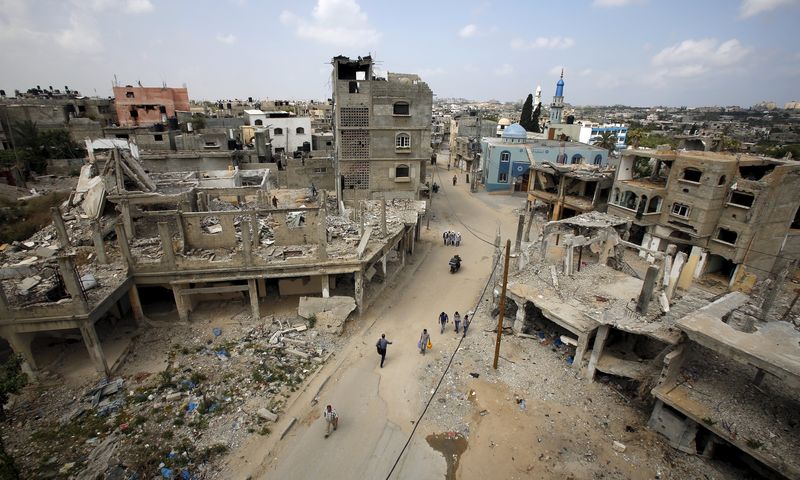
(148, 105)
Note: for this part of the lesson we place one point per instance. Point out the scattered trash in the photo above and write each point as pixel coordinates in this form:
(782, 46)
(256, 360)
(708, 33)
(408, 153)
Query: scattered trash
(483, 413)
(216, 331)
(475, 375)
(620, 447)
(191, 407)
(521, 404)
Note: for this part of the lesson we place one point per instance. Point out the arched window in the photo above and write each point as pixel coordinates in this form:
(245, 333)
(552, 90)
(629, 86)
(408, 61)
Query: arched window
(616, 198)
(629, 200)
(402, 141)
(562, 158)
(259, 122)
(576, 158)
(505, 156)
(300, 130)
(692, 175)
(655, 205)
(401, 171)
(722, 179)
(401, 108)
(598, 159)
(277, 131)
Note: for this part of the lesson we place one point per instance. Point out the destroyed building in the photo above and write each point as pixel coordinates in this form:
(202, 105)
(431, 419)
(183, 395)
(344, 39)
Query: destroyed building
(382, 131)
(720, 371)
(192, 236)
(569, 190)
(142, 106)
(737, 216)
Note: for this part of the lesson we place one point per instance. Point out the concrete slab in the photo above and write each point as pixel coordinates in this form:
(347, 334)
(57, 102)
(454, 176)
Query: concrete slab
(567, 316)
(774, 347)
(330, 312)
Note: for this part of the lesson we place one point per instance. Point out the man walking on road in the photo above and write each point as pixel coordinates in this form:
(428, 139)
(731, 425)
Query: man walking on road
(443, 320)
(466, 324)
(455, 179)
(457, 320)
(331, 420)
(423, 341)
(382, 343)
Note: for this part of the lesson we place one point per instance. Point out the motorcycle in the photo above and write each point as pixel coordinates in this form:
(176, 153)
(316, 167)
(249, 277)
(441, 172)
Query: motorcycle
(455, 264)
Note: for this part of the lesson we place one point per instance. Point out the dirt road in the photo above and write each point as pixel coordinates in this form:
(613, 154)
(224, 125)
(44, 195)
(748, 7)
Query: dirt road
(378, 406)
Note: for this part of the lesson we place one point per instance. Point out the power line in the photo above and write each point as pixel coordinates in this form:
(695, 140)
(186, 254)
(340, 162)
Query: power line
(444, 373)
(452, 211)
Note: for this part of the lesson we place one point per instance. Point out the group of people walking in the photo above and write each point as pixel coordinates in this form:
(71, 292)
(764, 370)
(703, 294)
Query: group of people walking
(451, 238)
(444, 319)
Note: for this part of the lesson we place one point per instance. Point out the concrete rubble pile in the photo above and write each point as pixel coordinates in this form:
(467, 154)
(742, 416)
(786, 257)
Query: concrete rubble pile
(220, 385)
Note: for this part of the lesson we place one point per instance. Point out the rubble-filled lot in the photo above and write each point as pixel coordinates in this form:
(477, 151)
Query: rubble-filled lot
(541, 417)
(220, 385)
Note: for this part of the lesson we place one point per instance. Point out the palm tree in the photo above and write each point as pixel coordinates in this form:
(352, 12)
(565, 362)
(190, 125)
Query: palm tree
(633, 137)
(607, 140)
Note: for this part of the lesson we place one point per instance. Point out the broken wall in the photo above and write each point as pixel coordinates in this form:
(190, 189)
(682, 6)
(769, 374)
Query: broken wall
(289, 229)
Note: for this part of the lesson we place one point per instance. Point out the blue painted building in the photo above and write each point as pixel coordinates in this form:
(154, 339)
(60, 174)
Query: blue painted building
(506, 161)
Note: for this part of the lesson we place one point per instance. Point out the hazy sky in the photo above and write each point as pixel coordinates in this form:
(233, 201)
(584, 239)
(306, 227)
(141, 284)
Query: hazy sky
(635, 52)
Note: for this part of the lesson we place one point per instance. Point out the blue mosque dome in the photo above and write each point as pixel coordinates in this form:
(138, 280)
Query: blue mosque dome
(515, 130)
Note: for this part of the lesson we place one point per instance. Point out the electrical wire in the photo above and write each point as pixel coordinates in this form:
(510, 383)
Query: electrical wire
(444, 373)
(452, 211)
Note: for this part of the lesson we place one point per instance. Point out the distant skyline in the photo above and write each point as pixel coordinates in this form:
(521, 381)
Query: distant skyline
(632, 52)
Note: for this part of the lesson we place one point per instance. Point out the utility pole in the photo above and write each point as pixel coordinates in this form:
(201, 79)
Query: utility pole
(502, 306)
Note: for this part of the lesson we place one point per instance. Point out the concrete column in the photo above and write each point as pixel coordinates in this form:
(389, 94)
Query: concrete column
(384, 270)
(358, 291)
(675, 273)
(326, 286)
(383, 217)
(125, 248)
(322, 244)
(580, 350)
(569, 257)
(202, 202)
(262, 287)
(530, 223)
(247, 247)
(99, 246)
(136, 305)
(127, 221)
(94, 347)
(519, 319)
(21, 344)
(597, 350)
(520, 228)
(181, 231)
(61, 228)
(411, 242)
(647, 289)
(72, 282)
(166, 245)
(401, 247)
(605, 251)
(253, 291)
(181, 305)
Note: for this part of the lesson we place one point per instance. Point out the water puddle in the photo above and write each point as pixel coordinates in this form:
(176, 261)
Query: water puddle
(451, 445)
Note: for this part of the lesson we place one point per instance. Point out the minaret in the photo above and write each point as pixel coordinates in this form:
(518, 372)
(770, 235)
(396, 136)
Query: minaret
(558, 101)
(537, 98)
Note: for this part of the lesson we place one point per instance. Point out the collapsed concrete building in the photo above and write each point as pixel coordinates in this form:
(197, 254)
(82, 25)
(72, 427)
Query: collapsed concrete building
(382, 131)
(737, 216)
(196, 235)
(569, 190)
(721, 368)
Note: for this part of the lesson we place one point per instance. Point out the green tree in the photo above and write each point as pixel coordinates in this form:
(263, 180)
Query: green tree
(634, 137)
(527, 114)
(535, 127)
(607, 140)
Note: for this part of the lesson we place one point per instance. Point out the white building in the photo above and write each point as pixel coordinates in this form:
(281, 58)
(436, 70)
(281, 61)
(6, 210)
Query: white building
(287, 132)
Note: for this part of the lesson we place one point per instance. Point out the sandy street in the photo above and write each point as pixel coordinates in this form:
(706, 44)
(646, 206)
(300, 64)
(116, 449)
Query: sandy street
(378, 407)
